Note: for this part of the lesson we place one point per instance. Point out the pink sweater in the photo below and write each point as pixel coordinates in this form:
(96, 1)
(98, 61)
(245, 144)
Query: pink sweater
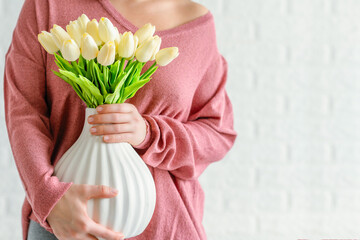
(188, 112)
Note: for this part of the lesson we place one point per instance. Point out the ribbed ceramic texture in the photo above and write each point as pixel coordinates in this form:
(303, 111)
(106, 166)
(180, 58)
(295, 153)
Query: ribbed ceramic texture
(91, 161)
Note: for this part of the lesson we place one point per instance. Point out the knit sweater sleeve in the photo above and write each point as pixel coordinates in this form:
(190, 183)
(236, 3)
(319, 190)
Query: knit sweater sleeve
(27, 114)
(187, 148)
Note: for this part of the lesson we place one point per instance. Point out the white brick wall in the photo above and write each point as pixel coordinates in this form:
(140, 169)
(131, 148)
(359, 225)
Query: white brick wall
(294, 172)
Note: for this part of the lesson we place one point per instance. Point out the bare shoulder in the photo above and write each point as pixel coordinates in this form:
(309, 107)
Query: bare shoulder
(194, 10)
(197, 8)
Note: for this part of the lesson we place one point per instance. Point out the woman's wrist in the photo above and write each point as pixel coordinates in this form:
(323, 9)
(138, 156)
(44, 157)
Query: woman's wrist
(145, 143)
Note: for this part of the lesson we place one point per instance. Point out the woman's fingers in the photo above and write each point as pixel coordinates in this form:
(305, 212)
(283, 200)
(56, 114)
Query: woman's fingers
(115, 138)
(115, 108)
(91, 237)
(99, 230)
(89, 191)
(112, 128)
(110, 118)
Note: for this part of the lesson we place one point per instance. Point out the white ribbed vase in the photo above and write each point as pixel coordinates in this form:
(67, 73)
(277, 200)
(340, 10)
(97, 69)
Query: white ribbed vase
(90, 160)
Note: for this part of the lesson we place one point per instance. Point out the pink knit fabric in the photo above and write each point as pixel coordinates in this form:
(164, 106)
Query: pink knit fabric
(188, 112)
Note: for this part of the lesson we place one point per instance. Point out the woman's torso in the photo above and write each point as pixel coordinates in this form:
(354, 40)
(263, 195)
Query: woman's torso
(170, 92)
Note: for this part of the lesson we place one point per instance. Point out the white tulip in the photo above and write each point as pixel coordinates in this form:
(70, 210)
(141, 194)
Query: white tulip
(75, 31)
(166, 55)
(157, 48)
(59, 35)
(70, 50)
(93, 29)
(47, 42)
(106, 54)
(136, 41)
(145, 32)
(127, 45)
(146, 50)
(117, 39)
(83, 20)
(89, 49)
(107, 30)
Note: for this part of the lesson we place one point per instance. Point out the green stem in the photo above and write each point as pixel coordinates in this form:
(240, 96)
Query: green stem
(129, 64)
(150, 69)
(133, 72)
(59, 52)
(122, 63)
(75, 65)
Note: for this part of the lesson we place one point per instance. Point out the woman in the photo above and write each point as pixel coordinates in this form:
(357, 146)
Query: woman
(179, 122)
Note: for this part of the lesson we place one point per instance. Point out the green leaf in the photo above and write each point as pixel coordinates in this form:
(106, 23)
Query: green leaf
(59, 53)
(129, 64)
(76, 67)
(93, 89)
(122, 62)
(133, 75)
(89, 89)
(137, 74)
(114, 71)
(132, 89)
(120, 81)
(81, 62)
(106, 74)
(86, 64)
(59, 65)
(122, 98)
(67, 66)
(99, 79)
(132, 71)
(89, 71)
(74, 85)
(82, 65)
(120, 84)
(112, 97)
(99, 74)
(131, 95)
(72, 76)
(93, 75)
(103, 88)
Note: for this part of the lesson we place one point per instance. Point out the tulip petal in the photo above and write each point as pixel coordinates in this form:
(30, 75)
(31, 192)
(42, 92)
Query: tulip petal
(70, 50)
(89, 48)
(47, 42)
(106, 54)
(145, 51)
(127, 45)
(166, 55)
(145, 32)
(93, 29)
(59, 35)
(107, 30)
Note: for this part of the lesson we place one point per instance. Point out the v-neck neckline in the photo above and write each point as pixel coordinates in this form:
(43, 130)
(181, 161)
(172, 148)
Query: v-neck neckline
(109, 7)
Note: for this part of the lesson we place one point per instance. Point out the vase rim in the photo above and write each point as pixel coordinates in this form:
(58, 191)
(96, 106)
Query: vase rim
(90, 109)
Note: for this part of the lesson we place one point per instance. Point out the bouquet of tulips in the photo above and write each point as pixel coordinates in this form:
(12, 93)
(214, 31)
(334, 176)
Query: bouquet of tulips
(109, 63)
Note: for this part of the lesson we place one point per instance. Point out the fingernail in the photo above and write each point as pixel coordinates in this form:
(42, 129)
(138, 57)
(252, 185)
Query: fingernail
(91, 119)
(92, 129)
(113, 190)
(106, 138)
(99, 109)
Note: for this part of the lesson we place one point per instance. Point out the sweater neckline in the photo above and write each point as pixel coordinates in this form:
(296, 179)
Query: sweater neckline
(107, 5)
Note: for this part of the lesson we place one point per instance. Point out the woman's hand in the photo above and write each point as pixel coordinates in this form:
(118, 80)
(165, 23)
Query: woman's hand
(123, 123)
(69, 219)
